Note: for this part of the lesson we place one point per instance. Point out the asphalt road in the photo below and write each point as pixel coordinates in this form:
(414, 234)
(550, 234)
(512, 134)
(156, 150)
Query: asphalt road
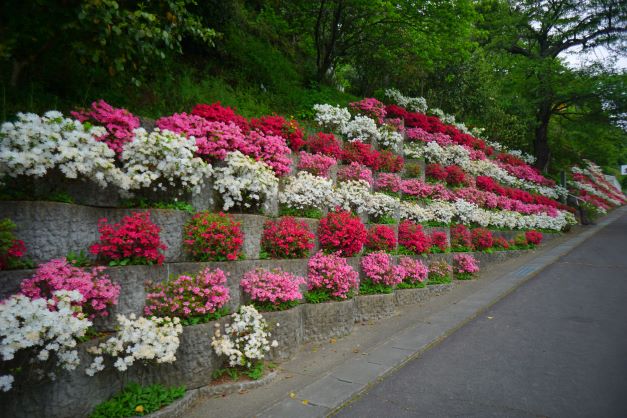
(556, 347)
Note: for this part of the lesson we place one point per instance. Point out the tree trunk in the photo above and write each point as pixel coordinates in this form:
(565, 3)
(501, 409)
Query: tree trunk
(541, 142)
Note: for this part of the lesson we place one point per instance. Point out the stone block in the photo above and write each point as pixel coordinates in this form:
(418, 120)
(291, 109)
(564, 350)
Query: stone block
(373, 307)
(288, 332)
(411, 296)
(322, 321)
(252, 226)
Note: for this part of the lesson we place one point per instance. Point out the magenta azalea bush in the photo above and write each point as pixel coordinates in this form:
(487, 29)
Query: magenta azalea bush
(272, 290)
(379, 269)
(99, 293)
(439, 272)
(316, 164)
(194, 299)
(330, 276)
(355, 171)
(465, 266)
(415, 272)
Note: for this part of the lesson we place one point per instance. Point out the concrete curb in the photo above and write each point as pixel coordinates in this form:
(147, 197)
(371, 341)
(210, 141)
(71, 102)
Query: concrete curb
(358, 375)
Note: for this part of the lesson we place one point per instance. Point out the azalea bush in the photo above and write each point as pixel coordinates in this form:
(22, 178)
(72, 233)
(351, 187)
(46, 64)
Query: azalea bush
(415, 273)
(381, 274)
(461, 238)
(351, 195)
(330, 277)
(388, 183)
(245, 342)
(501, 243)
(272, 150)
(279, 126)
(412, 170)
(306, 194)
(217, 112)
(381, 208)
(381, 238)
(533, 237)
(12, 250)
(465, 266)
(287, 238)
(389, 162)
(361, 153)
(193, 299)
(355, 171)
(133, 240)
(97, 291)
(370, 107)
(119, 123)
(439, 242)
(342, 232)
(361, 129)
(325, 144)
(316, 164)
(439, 272)
(213, 237)
(274, 290)
(455, 176)
(334, 118)
(412, 238)
(482, 239)
(436, 172)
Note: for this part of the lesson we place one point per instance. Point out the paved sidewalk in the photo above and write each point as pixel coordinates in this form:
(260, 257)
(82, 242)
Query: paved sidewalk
(554, 348)
(325, 376)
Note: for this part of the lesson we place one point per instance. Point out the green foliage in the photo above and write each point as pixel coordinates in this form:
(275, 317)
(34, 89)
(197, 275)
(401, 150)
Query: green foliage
(135, 398)
(79, 259)
(255, 372)
(203, 319)
(406, 285)
(300, 213)
(433, 279)
(464, 276)
(367, 287)
(271, 307)
(148, 204)
(385, 220)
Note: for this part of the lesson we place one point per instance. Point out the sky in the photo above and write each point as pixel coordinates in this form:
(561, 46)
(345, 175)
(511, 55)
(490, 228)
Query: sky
(596, 54)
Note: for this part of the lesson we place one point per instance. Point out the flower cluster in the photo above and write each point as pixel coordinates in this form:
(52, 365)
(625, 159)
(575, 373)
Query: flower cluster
(164, 160)
(272, 150)
(439, 241)
(219, 113)
(461, 238)
(412, 237)
(343, 232)
(12, 250)
(287, 238)
(415, 271)
(350, 195)
(379, 205)
(378, 268)
(355, 171)
(134, 240)
(316, 164)
(332, 274)
(144, 339)
(98, 293)
(244, 182)
(388, 182)
(414, 104)
(278, 126)
(188, 296)
(272, 288)
(245, 340)
(326, 144)
(119, 123)
(533, 237)
(370, 107)
(381, 238)
(213, 237)
(46, 326)
(306, 191)
(334, 118)
(465, 266)
(482, 239)
(361, 153)
(439, 271)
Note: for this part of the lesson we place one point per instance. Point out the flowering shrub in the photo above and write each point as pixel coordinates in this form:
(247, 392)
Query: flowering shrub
(119, 123)
(287, 238)
(439, 272)
(342, 232)
(465, 266)
(361, 129)
(31, 324)
(388, 182)
(370, 107)
(244, 182)
(482, 239)
(389, 162)
(381, 208)
(455, 176)
(461, 238)
(306, 191)
(12, 250)
(97, 291)
(381, 238)
(133, 240)
(439, 242)
(380, 273)
(334, 118)
(520, 241)
(279, 126)
(245, 340)
(213, 237)
(412, 170)
(217, 112)
(355, 171)
(350, 195)
(533, 237)
(361, 153)
(411, 236)
(34, 145)
(436, 172)
(500, 243)
(193, 299)
(162, 160)
(390, 138)
(327, 144)
(415, 273)
(330, 276)
(272, 290)
(154, 339)
(272, 150)
(316, 164)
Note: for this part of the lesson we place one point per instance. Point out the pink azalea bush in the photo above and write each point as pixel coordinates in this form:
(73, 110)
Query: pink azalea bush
(272, 290)
(465, 266)
(99, 293)
(272, 150)
(133, 240)
(370, 107)
(316, 164)
(355, 171)
(330, 276)
(388, 182)
(439, 272)
(119, 123)
(194, 299)
(415, 272)
(379, 269)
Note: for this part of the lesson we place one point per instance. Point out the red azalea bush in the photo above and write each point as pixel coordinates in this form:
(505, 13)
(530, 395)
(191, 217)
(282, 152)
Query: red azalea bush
(272, 290)
(436, 172)
(389, 162)
(533, 237)
(412, 237)
(279, 126)
(99, 293)
(12, 250)
(119, 123)
(501, 243)
(455, 176)
(520, 240)
(133, 240)
(461, 238)
(381, 238)
(287, 238)
(217, 112)
(482, 238)
(343, 232)
(213, 237)
(188, 297)
(327, 144)
(361, 153)
(439, 240)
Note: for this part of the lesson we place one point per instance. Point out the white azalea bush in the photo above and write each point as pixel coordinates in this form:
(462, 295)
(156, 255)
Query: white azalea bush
(380, 205)
(334, 118)
(361, 128)
(163, 160)
(414, 104)
(145, 339)
(389, 138)
(350, 195)
(33, 145)
(31, 324)
(245, 341)
(306, 191)
(244, 182)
